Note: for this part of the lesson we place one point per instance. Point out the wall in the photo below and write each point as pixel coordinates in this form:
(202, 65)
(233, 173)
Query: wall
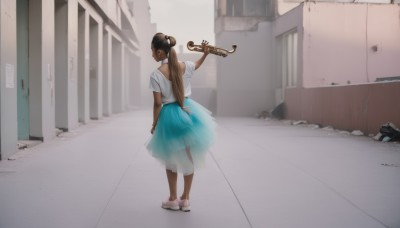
(207, 97)
(111, 9)
(384, 32)
(8, 82)
(107, 72)
(66, 65)
(284, 6)
(244, 79)
(336, 48)
(338, 41)
(96, 68)
(83, 65)
(41, 69)
(291, 21)
(355, 107)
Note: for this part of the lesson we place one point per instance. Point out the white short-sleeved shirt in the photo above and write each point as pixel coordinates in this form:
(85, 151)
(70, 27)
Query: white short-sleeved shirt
(159, 83)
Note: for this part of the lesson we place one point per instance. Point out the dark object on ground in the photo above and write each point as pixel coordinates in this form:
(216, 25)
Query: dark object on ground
(388, 133)
(279, 111)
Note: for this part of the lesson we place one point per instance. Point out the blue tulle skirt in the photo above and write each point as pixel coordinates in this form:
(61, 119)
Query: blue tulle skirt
(182, 137)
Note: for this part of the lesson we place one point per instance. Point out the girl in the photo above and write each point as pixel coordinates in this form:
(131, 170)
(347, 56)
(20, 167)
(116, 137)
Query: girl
(183, 130)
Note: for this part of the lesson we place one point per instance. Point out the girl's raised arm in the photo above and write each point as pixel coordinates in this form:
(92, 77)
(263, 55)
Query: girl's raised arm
(200, 61)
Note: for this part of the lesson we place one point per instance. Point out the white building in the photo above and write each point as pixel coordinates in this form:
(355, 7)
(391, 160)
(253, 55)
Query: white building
(323, 60)
(64, 63)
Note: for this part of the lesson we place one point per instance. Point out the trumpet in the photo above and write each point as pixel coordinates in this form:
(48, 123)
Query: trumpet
(213, 50)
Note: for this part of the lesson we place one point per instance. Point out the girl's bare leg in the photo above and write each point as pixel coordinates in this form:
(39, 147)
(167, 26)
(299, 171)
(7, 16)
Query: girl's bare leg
(187, 185)
(188, 179)
(172, 180)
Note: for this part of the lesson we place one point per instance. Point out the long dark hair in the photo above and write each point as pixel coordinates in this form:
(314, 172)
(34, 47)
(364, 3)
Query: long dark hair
(160, 42)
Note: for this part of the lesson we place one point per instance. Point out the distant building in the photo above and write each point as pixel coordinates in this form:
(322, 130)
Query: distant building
(146, 31)
(244, 79)
(64, 63)
(322, 59)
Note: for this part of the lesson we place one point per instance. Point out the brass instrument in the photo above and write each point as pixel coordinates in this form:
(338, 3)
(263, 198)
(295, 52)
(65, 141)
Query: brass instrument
(212, 49)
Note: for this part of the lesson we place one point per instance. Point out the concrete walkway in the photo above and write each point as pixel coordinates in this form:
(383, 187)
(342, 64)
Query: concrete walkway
(258, 174)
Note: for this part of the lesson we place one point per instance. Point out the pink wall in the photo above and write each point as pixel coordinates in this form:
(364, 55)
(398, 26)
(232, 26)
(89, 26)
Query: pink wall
(338, 38)
(355, 107)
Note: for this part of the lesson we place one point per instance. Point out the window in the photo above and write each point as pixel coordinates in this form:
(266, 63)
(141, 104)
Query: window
(256, 8)
(247, 8)
(234, 8)
(289, 59)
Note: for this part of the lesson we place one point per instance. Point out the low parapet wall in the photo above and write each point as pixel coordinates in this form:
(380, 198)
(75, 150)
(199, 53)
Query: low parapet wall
(354, 107)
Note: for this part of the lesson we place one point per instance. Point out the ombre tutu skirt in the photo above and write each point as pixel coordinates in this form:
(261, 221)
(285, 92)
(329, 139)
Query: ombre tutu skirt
(182, 137)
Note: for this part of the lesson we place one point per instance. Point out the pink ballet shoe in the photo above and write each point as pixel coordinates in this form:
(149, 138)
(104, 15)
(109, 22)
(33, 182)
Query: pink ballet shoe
(170, 205)
(184, 205)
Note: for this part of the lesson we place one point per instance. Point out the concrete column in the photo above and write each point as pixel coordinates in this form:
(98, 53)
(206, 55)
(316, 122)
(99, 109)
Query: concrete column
(123, 77)
(117, 88)
(83, 65)
(66, 93)
(127, 77)
(41, 69)
(61, 67)
(135, 81)
(73, 119)
(8, 82)
(96, 47)
(107, 58)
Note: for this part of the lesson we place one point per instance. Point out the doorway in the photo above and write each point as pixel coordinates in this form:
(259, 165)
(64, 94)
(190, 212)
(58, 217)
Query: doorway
(23, 69)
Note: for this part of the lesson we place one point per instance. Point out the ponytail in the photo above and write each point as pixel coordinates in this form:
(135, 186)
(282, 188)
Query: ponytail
(160, 41)
(175, 73)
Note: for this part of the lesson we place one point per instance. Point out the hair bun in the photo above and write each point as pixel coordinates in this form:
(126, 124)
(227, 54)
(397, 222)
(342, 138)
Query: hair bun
(171, 39)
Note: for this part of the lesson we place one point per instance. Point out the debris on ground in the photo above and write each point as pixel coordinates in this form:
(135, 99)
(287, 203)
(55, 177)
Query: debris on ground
(263, 115)
(314, 126)
(388, 133)
(344, 132)
(278, 112)
(59, 131)
(390, 165)
(357, 133)
(298, 122)
(328, 128)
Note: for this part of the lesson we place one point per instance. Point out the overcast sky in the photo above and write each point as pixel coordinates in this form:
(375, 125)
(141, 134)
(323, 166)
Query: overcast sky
(184, 19)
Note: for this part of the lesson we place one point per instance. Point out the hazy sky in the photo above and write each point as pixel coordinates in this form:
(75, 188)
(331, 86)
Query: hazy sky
(184, 19)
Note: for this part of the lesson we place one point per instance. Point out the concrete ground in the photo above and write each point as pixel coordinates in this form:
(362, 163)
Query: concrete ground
(259, 174)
